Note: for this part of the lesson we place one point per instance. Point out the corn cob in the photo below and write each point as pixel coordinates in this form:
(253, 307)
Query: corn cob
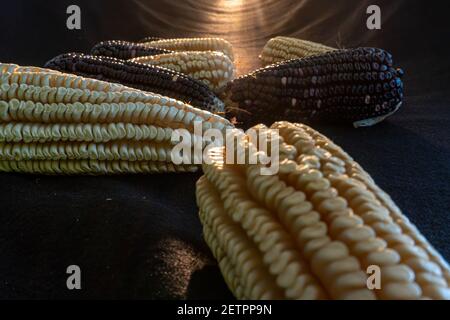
(143, 77)
(124, 50)
(311, 230)
(286, 48)
(211, 67)
(194, 44)
(356, 85)
(149, 39)
(57, 123)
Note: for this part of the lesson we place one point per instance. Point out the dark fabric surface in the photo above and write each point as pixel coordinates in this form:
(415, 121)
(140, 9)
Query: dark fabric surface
(139, 236)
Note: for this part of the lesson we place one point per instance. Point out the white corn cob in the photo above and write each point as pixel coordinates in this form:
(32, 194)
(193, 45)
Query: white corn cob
(51, 122)
(311, 230)
(194, 44)
(285, 48)
(212, 67)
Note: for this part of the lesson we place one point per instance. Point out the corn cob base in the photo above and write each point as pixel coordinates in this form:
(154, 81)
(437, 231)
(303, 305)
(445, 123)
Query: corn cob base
(312, 230)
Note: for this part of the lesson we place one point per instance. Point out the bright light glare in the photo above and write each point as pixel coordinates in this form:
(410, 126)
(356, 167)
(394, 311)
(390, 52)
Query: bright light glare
(232, 3)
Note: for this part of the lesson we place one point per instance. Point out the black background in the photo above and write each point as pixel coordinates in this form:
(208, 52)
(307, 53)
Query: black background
(139, 236)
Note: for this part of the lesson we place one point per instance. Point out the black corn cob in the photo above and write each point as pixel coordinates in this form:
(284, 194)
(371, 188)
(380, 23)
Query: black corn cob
(125, 50)
(149, 39)
(140, 76)
(353, 85)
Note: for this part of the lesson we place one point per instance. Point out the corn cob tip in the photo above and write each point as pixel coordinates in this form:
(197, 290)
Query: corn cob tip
(66, 59)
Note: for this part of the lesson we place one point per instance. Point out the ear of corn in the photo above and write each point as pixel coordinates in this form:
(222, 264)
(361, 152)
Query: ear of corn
(359, 86)
(194, 44)
(124, 50)
(143, 77)
(286, 48)
(312, 230)
(57, 123)
(211, 67)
